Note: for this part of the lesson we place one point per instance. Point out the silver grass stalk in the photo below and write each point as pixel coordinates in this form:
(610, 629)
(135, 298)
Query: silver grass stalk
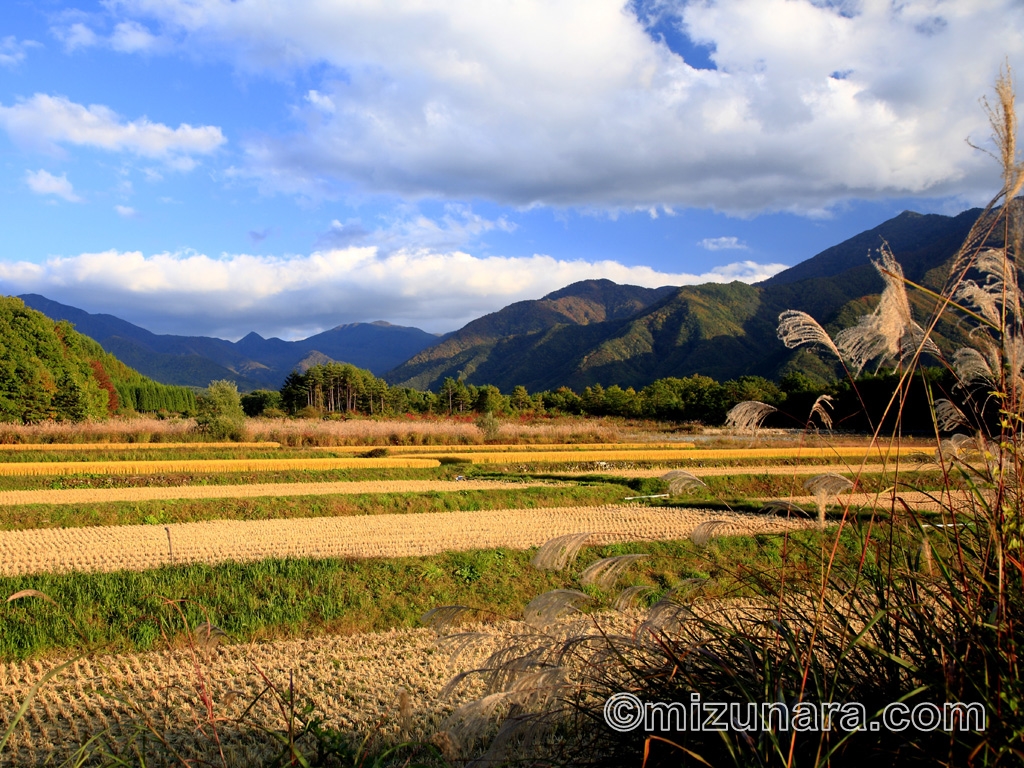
(972, 367)
(458, 644)
(557, 553)
(947, 416)
(605, 572)
(444, 617)
(798, 328)
(825, 486)
(958, 446)
(776, 506)
(706, 531)
(999, 295)
(974, 295)
(818, 409)
(630, 597)
(207, 636)
(1013, 354)
(668, 616)
(748, 415)
(680, 481)
(914, 339)
(882, 334)
(550, 607)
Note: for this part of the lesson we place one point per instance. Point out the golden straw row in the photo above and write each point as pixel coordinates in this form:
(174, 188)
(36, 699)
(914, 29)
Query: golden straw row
(140, 547)
(693, 454)
(207, 465)
(398, 450)
(105, 495)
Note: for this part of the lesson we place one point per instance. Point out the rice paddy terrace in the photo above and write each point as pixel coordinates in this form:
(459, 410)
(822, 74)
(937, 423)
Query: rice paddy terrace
(309, 567)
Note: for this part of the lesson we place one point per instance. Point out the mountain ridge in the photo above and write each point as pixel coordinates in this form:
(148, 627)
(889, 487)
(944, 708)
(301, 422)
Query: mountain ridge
(722, 330)
(252, 362)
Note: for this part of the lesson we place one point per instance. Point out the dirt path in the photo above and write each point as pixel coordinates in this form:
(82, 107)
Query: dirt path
(138, 547)
(102, 495)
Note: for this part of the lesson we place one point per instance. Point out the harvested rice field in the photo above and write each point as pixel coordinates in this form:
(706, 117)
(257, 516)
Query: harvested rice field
(149, 546)
(355, 681)
(358, 680)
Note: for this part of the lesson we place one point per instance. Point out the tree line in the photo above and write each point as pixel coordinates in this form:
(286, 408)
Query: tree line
(342, 388)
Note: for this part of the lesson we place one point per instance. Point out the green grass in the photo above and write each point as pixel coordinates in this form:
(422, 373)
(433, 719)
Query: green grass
(161, 512)
(273, 599)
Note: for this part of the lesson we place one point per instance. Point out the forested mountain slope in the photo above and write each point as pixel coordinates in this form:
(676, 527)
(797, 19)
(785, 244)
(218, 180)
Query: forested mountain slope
(722, 331)
(50, 371)
(581, 305)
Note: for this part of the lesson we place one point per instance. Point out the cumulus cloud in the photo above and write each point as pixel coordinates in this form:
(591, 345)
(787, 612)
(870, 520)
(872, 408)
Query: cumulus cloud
(45, 183)
(296, 296)
(76, 35)
(132, 37)
(321, 102)
(409, 228)
(45, 122)
(13, 51)
(579, 103)
(126, 212)
(722, 244)
(77, 29)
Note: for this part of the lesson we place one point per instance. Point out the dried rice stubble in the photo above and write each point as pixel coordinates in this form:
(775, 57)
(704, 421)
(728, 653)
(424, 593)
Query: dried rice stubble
(355, 682)
(110, 548)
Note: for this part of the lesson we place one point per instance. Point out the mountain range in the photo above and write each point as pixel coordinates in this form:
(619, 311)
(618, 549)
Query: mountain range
(719, 330)
(252, 362)
(594, 331)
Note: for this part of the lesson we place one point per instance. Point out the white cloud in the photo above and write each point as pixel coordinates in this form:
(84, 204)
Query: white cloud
(76, 29)
(321, 102)
(126, 211)
(44, 183)
(295, 296)
(575, 104)
(13, 51)
(409, 228)
(45, 122)
(75, 36)
(132, 37)
(722, 244)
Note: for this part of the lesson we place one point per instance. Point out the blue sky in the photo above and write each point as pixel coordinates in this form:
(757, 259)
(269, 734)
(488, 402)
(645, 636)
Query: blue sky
(216, 167)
